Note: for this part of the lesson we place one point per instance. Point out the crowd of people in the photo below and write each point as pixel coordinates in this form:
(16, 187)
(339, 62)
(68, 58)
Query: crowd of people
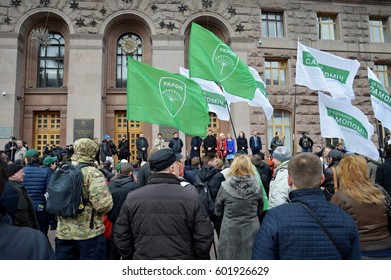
(325, 203)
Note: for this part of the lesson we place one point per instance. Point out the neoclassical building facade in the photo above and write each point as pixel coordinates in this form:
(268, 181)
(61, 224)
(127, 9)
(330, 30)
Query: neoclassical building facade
(75, 86)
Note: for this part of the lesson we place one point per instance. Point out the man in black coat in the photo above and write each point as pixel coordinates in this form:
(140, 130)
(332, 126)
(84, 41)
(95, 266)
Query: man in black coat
(142, 148)
(255, 143)
(163, 220)
(119, 187)
(10, 148)
(210, 143)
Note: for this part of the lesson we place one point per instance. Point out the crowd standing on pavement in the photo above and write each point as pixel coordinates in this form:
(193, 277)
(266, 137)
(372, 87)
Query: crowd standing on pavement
(216, 202)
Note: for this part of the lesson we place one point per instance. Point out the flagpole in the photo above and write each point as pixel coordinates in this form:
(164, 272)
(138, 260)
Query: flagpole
(294, 122)
(230, 118)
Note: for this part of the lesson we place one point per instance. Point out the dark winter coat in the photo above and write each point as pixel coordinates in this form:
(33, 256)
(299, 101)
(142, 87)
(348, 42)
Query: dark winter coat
(35, 181)
(163, 220)
(123, 147)
(119, 188)
(20, 206)
(210, 142)
(142, 143)
(143, 174)
(265, 172)
(213, 178)
(240, 204)
(328, 182)
(290, 232)
(242, 145)
(196, 141)
(383, 175)
(258, 148)
(22, 243)
(107, 149)
(190, 172)
(10, 152)
(176, 145)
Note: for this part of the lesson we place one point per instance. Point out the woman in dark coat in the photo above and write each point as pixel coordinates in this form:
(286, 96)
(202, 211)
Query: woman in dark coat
(240, 203)
(242, 143)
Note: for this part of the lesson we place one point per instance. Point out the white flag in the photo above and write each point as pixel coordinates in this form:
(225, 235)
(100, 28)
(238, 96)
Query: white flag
(260, 97)
(214, 96)
(324, 71)
(381, 100)
(340, 119)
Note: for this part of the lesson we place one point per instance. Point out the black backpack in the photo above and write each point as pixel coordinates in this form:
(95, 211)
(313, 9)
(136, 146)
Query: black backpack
(204, 195)
(65, 189)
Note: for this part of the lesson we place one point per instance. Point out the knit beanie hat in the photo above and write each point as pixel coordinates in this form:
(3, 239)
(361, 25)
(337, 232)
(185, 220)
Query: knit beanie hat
(282, 154)
(13, 168)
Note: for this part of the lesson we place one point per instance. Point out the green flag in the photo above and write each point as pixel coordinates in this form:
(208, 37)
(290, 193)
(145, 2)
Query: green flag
(160, 97)
(210, 59)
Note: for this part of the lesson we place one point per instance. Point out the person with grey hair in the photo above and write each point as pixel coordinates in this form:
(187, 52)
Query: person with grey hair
(308, 227)
(163, 220)
(20, 150)
(279, 188)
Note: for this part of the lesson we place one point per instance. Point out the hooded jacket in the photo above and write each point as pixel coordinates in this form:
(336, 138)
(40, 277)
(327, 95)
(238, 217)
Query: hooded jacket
(213, 178)
(240, 204)
(119, 188)
(96, 191)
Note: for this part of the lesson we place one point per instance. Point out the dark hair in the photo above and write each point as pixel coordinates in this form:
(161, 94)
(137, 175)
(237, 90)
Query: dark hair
(195, 161)
(387, 151)
(159, 134)
(207, 157)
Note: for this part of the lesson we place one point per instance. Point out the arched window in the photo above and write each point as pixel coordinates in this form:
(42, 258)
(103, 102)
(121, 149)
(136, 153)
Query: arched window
(51, 62)
(281, 122)
(127, 45)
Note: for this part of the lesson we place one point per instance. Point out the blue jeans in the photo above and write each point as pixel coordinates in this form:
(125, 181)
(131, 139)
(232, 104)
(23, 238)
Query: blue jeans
(89, 249)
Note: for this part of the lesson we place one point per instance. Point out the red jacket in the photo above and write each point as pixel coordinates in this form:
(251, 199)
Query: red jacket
(221, 148)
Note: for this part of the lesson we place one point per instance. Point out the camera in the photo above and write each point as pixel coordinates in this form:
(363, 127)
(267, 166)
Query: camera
(260, 41)
(4, 93)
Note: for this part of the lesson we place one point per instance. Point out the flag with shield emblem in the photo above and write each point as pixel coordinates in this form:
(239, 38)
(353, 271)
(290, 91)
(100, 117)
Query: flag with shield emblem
(160, 97)
(210, 59)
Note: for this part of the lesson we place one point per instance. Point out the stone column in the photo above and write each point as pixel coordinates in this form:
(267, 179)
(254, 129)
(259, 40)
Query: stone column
(85, 83)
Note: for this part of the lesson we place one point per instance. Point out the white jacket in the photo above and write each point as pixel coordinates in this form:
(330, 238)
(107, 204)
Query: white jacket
(279, 188)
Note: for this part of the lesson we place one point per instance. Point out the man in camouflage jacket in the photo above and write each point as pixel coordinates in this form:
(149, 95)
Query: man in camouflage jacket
(81, 236)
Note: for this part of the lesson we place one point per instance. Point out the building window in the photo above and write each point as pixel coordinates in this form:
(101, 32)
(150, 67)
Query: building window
(276, 73)
(377, 30)
(383, 73)
(51, 63)
(272, 24)
(281, 122)
(326, 27)
(128, 45)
